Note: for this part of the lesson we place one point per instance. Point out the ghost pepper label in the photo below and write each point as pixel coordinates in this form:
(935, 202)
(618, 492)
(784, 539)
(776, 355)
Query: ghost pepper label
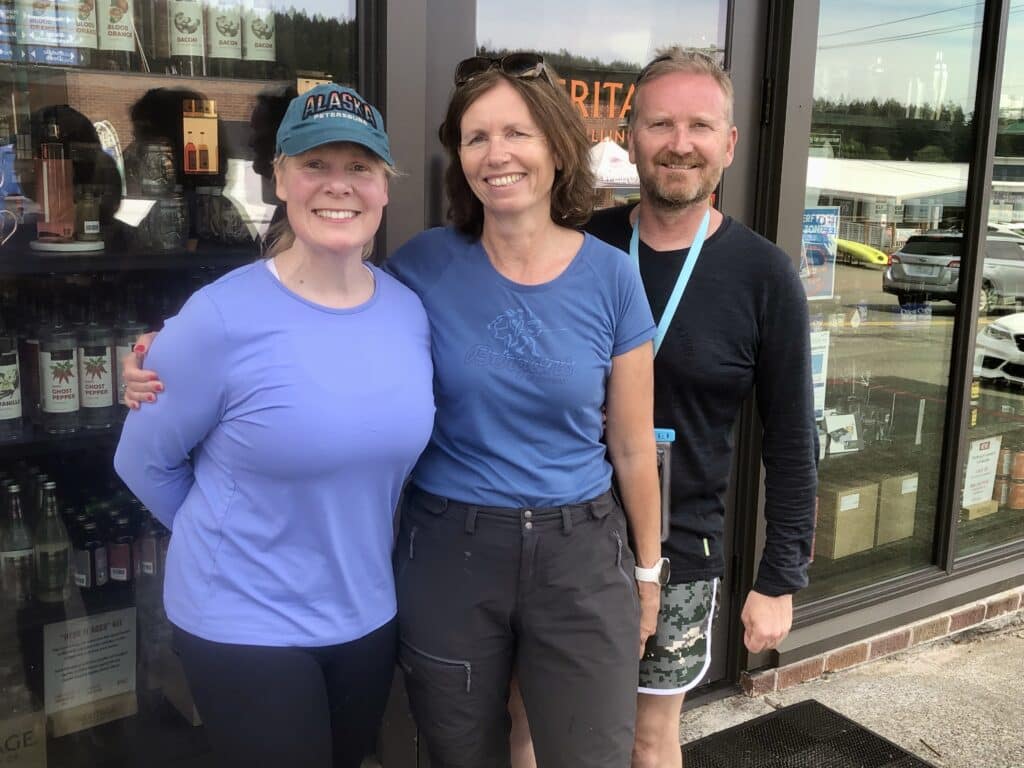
(59, 376)
(95, 373)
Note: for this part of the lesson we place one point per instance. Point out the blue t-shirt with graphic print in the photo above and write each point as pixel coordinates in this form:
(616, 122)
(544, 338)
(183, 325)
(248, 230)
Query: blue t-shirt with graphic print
(520, 370)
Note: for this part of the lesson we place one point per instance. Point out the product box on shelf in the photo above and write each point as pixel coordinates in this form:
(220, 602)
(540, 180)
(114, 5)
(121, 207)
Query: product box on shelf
(847, 514)
(980, 509)
(897, 504)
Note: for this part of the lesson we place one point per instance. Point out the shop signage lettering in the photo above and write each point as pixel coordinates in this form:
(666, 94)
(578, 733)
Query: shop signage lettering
(595, 98)
(16, 741)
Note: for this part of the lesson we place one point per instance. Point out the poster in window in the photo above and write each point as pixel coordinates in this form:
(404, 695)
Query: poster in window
(818, 252)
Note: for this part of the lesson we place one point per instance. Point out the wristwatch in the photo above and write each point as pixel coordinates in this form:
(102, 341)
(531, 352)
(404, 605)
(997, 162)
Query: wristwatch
(659, 573)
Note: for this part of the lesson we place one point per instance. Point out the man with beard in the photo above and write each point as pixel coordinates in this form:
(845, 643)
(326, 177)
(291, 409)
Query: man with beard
(741, 326)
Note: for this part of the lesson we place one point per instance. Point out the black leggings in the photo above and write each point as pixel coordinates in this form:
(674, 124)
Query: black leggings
(272, 706)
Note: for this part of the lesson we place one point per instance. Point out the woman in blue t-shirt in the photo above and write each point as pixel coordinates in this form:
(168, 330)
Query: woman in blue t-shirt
(512, 557)
(298, 398)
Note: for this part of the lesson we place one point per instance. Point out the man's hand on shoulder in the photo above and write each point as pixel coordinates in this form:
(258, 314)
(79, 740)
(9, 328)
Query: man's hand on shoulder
(766, 620)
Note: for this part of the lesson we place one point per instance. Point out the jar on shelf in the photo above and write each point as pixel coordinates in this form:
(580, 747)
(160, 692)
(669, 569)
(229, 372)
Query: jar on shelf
(156, 173)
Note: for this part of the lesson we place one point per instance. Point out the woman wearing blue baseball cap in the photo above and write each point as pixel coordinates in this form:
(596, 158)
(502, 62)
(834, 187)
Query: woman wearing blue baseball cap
(298, 397)
(513, 552)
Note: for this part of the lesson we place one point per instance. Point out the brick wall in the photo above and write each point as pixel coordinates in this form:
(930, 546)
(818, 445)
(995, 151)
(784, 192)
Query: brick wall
(110, 96)
(896, 640)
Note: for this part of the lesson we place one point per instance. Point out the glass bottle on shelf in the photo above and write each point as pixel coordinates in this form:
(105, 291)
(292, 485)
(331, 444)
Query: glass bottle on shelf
(203, 153)
(121, 551)
(16, 552)
(52, 550)
(54, 191)
(191, 156)
(11, 410)
(37, 318)
(116, 36)
(87, 216)
(186, 37)
(58, 374)
(96, 373)
(32, 502)
(90, 558)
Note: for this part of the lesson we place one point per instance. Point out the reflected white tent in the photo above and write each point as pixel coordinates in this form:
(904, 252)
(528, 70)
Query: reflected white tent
(610, 164)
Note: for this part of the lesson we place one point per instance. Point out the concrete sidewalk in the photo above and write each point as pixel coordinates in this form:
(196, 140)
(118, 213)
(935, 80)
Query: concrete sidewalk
(956, 703)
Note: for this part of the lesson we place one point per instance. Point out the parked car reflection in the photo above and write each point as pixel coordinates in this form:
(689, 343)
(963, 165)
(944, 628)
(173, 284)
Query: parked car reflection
(927, 267)
(999, 350)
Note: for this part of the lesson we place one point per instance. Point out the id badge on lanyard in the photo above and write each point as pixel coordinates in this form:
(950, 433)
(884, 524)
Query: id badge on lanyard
(665, 437)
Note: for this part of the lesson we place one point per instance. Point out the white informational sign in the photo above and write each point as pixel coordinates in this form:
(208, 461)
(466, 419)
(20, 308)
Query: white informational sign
(980, 477)
(842, 432)
(819, 370)
(89, 659)
(133, 210)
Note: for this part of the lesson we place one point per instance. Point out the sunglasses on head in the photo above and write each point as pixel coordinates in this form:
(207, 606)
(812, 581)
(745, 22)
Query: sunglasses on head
(524, 65)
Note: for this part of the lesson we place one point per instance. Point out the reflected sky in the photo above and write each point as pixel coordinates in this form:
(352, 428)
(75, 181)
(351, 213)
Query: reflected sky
(608, 30)
(329, 9)
(914, 51)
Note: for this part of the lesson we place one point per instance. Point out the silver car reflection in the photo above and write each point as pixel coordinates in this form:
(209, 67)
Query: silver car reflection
(927, 268)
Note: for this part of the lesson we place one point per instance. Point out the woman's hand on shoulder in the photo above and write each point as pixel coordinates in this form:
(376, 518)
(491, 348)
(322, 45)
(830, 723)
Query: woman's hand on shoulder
(139, 385)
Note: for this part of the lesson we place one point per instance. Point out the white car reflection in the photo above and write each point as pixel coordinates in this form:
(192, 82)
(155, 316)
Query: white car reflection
(999, 350)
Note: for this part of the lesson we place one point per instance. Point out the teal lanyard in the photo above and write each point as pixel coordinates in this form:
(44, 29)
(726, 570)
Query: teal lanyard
(684, 273)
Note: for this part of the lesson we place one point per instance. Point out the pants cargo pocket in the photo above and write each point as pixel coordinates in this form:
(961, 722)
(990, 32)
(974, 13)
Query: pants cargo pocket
(442, 702)
(452, 675)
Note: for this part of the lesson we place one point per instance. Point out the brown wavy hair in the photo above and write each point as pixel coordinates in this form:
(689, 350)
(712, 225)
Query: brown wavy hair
(572, 194)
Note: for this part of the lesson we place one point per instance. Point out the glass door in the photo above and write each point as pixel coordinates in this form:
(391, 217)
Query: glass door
(136, 141)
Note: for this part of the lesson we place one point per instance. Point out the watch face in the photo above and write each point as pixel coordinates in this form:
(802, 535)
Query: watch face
(665, 571)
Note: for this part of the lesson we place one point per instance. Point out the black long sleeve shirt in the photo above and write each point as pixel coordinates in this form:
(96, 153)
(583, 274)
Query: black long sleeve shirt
(741, 325)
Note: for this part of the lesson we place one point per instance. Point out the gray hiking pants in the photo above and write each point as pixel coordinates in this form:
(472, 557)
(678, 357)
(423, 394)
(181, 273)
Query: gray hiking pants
(545, 594)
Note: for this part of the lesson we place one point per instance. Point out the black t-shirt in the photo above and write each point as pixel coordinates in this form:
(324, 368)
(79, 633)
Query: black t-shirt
(742, 322)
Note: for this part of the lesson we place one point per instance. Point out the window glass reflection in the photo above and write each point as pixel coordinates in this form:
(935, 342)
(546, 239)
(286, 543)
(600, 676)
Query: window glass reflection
(598, 61)
(993, 488)
(136, 142)
(888, 163)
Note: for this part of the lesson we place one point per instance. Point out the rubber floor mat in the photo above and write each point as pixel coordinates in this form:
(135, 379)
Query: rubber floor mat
(803, 735)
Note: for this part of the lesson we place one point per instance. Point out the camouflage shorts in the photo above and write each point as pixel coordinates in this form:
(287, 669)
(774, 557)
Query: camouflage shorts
(678, 657)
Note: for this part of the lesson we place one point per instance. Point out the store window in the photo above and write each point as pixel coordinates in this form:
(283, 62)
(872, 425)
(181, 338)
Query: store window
(135, 145)
(891, 138)
(598, 58)
(992, 508)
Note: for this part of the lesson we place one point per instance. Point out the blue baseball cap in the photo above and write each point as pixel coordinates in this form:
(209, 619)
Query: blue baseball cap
(330, 113)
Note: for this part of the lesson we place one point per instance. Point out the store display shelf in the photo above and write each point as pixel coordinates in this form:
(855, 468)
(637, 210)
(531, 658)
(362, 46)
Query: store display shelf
(24, 261)
(33, 439)
(79, 604)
